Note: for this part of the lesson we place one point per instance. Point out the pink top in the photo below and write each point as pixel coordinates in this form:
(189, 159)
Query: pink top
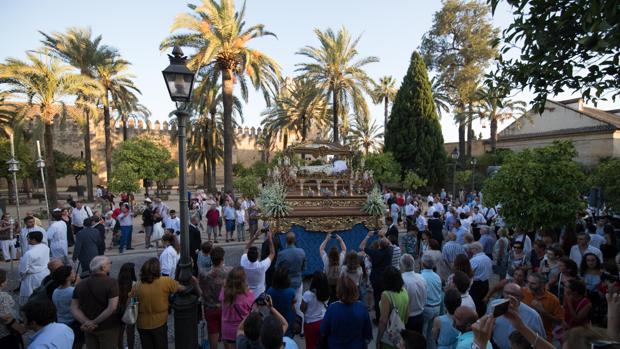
(232, 315)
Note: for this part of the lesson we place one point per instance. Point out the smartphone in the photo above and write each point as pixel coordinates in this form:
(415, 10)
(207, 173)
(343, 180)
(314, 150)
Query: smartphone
(602, 344)
(501, 308)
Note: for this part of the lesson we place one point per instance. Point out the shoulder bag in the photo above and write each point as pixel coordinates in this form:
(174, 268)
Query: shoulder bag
(395, 326)
(130, 315)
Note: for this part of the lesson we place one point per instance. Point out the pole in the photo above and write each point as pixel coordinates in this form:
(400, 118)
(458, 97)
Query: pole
(186, 303)
(473, 178)
(15, 181)
(47, 203)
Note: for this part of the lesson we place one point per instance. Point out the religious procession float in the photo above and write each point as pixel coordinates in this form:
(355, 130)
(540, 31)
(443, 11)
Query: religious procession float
(314, 191)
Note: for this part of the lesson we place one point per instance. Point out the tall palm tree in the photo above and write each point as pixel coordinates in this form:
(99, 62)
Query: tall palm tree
(79, 48)
(495, 107)
(128, 107)
(365, 134)
(299, 106)
(219, 34)
(385, 92)
(440, 97)
(115, 81)
(333, 68)
(44, 82)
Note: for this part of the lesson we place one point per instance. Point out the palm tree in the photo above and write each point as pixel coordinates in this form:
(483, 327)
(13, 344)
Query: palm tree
(440, 97)
(299, 106)
(495, 107)
(44, 82)
(341, 78)
(385, 92)
(128, 107)
(115, 82)
(218, 32)
(79, 48)
(365, 134)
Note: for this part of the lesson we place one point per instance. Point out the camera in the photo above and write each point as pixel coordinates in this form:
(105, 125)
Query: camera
(262, 299)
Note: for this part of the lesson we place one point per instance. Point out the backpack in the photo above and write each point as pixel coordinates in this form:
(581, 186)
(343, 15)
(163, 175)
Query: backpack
(333, 273)
(39, 295)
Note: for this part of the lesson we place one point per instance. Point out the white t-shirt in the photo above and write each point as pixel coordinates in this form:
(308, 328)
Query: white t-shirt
(409, 210)
(467, 301)
(168, 261)
(325, 259)
(240, 216)
(316, 309)
(255, 273)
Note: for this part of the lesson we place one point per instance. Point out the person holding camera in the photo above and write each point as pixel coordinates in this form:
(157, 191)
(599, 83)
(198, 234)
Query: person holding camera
(264, 327)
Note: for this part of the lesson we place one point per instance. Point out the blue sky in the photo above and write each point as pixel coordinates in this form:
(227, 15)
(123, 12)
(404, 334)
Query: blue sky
(390, 29)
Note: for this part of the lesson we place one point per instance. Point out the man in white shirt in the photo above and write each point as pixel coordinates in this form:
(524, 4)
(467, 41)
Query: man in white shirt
(409, 214)
(79, 213)
(420, 221)
(57, 236)
(415, 285)
(33, 266)
(582, 247)
(30, 227)
(173, 222)
(482, 266)
(595, 239)
(254, 268)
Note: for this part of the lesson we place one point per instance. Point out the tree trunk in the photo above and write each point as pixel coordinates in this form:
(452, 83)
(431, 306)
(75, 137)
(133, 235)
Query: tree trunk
(108, 137)
(88, 159)
(48, 139)
(285, 140)
(461, 139)
(385, 116)
(213, 152)
(493, 137)
(125, 134)
(206, 171)
(205, 161)
(227, 92)
(336, 110)
(470, 130)
(304, 127)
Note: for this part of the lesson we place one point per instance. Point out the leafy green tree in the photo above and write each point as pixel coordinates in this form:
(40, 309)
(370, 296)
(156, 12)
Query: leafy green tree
(563, 45)
(458, 48)
(247, 185)
(412, 181)
(385, 169)
(605, 176)
(148, 160)
(462, 178)
(365, 134)
(333, 68)
(70, 165)
(219, 34)
(124, 179)
(538, 187)
(414, 133)
(440, 97)
(45, 82)
(384, 92)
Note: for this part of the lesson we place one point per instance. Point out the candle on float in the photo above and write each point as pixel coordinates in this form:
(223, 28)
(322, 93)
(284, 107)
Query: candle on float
(39, 149)
(12, 146)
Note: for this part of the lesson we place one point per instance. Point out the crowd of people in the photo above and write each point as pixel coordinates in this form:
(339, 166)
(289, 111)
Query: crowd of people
(443, 273)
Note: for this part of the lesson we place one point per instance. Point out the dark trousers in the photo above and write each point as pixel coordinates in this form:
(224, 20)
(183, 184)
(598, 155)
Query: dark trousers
(415, 323)
(156, 338)
(377, 288)
(478, 291)
(71, 234)
(11, 342)
(125, 237)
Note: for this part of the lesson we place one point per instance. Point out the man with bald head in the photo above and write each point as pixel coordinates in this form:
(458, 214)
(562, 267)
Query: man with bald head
(294, 259)
(464, 317)
(503, 328)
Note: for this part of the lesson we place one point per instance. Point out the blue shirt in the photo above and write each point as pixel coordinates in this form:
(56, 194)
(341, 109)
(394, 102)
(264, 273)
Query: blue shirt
(347, 326)
(62, 300)
(487, 242)
(282, 299)
(173, 223)
(433, 287)
(482, 266)
(295, 259)
(450, 250)
(448, 335)
(53, 335)
(466, 339)
(229, 213)
(503, 328)
(460, 233)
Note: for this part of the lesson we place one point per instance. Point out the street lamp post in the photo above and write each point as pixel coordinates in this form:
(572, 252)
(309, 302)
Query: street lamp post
(41, 166)
(474, 161)
(455, 157)
(13, 169)
(179, 81)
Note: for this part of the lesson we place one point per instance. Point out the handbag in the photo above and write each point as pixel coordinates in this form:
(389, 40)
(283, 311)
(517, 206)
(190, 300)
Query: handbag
(395, 326)
(130, 315)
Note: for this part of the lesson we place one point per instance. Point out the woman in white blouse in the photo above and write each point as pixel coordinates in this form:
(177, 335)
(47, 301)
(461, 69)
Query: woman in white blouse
(169, 257)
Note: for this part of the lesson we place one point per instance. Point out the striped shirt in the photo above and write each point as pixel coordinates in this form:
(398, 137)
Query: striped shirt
(450, 250)
(396, 257)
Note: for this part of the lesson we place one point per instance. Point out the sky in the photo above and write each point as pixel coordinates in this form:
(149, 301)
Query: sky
(389, 29)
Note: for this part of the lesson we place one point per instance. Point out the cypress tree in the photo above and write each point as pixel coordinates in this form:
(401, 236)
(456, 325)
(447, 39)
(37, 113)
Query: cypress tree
(413, 132)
